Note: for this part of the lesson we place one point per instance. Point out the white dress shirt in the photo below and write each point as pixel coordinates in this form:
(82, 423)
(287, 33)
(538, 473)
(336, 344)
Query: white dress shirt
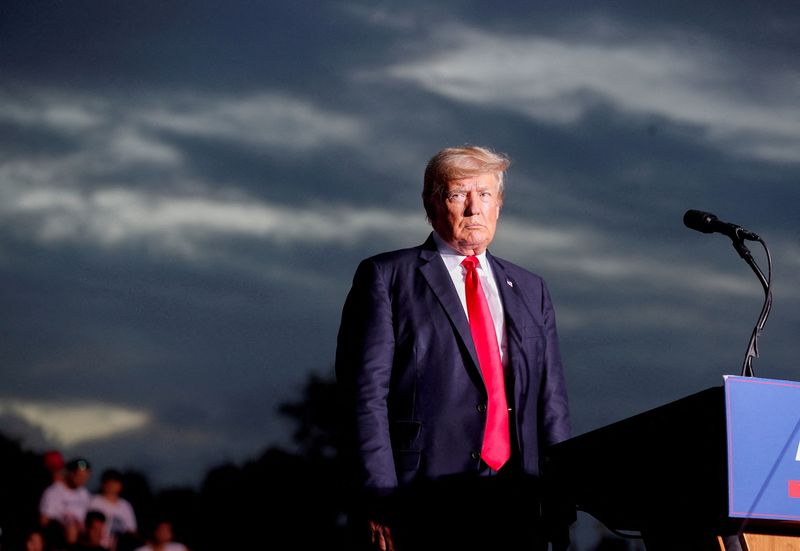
(452, 260)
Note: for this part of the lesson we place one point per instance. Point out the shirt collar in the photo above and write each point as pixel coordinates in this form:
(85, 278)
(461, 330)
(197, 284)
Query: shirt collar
(453, 258)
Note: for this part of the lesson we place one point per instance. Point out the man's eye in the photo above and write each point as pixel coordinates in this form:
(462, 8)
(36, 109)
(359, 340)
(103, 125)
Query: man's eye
(457, 196)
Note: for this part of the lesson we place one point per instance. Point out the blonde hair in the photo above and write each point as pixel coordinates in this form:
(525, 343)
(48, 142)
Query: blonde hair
(453, 163)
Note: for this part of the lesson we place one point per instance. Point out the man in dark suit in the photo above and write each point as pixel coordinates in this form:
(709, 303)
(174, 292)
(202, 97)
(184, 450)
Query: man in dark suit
(444, 458)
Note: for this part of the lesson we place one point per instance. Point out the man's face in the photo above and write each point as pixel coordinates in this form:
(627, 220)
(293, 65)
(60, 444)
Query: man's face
(95, 532)
(111, 487)
(78, 477)
(163, 533)
(466, 217)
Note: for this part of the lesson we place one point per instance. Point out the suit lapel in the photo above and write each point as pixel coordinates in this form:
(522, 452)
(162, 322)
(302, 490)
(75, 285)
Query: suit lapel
(513, 307)
(434, 272)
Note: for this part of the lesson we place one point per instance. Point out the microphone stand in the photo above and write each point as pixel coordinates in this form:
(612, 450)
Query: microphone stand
(752, 347)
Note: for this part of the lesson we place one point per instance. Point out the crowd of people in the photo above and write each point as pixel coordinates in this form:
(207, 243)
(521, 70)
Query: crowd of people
(71, 518)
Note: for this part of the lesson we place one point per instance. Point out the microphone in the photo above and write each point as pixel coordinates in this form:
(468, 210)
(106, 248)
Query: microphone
(708, 223)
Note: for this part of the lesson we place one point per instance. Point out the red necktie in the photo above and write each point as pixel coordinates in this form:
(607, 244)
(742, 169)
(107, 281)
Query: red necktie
(496, 440)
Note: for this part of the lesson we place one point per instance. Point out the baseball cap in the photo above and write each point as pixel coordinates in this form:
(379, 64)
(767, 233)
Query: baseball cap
(78, 464)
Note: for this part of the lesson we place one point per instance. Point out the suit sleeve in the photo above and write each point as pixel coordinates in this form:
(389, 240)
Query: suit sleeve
(364, 358)
(554, 407)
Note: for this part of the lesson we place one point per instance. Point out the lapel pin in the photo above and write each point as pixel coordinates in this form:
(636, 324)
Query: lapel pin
(510, 283)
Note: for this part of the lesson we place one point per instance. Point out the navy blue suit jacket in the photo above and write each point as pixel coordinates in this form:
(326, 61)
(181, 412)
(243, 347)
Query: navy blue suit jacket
(407, 366)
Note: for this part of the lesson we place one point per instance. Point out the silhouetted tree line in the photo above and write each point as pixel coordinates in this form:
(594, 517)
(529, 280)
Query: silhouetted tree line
(280, 500)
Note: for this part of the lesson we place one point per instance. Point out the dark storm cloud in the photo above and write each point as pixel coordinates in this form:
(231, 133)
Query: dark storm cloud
(184, 44)
(186, 188)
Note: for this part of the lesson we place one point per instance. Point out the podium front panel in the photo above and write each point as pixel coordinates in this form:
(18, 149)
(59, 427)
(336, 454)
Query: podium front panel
(763, 432)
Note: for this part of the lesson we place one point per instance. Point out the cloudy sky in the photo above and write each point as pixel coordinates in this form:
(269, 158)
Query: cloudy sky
(186, 188)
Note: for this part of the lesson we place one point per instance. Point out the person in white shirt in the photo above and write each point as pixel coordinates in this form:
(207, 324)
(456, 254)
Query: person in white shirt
(161, 539)
(67, 501)
(119, 513)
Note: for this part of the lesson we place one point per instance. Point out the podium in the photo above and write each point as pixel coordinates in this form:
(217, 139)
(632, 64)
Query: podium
(710, 471)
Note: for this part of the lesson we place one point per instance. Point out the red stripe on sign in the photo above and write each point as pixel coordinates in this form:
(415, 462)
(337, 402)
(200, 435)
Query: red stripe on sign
(794, 488)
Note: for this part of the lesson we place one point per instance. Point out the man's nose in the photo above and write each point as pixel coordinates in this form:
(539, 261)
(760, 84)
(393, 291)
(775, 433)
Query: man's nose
(471, 203)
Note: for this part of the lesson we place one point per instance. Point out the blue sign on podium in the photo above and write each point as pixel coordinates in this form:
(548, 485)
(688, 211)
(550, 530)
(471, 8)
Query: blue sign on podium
(763, 424)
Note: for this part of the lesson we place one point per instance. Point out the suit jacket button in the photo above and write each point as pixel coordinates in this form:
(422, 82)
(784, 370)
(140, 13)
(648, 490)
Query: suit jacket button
(481, 408)
(475, 455)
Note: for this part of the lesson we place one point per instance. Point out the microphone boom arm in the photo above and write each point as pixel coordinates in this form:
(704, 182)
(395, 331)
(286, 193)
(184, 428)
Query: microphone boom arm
(752, 347)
